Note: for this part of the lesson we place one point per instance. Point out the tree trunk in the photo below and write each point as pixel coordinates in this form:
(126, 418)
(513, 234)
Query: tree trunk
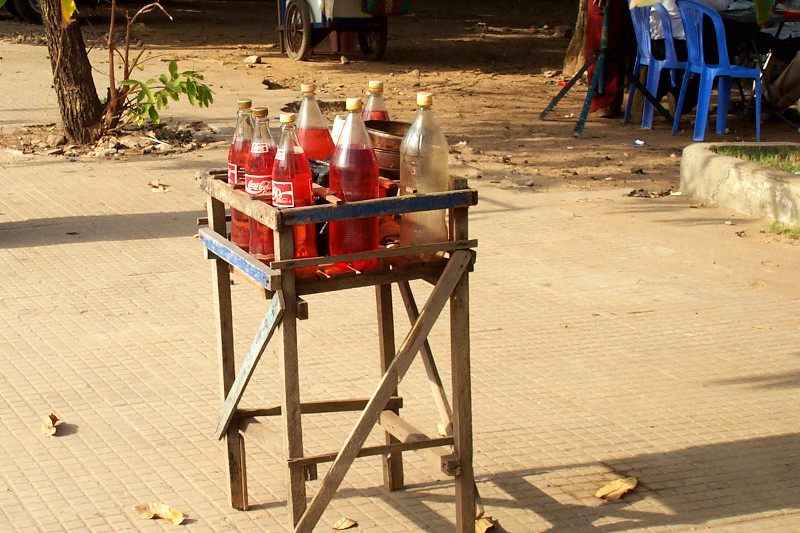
(81, 111)
(576, 51)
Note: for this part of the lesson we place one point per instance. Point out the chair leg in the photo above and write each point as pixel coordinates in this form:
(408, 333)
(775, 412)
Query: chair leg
(631, 90)
(679, 106)
(703, 104)
(723, 102)
(757, 97)
(653, 75)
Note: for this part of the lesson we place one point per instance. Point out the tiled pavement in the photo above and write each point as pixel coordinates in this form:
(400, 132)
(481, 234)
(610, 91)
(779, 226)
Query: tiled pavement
(611, 337)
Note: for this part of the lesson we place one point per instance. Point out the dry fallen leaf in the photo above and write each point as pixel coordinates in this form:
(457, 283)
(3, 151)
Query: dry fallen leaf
(144, 511)
(49, 424)
(484, 524)
(615, 489)
(344, 523)
(161, 510)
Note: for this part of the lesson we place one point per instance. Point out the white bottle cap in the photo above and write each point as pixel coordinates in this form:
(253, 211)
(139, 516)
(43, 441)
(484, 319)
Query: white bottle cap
(425, 98)
(354, 104)
(375, 86)
(308, 88)
(287, 118)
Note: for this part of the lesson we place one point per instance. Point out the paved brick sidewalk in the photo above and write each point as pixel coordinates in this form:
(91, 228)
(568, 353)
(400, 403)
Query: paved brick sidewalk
(611, 337)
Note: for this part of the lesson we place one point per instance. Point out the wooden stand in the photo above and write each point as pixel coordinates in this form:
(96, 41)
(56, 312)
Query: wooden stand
(451, 452)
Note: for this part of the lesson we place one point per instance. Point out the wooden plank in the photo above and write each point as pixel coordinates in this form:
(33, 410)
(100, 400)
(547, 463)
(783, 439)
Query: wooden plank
(325, 193)
(382, 449)
(411, 345)
(373, 277)
(462, 387)
(268, 326)
(323, 406)
(377, 207)
(240, 200)
(392, 463)
(243, 459)
(224, 249)
(401, 430)
(382, 253)
(203, 221)
(435, 381)
(270, 440)
(223, 319)
(302, 309)
(290, 399)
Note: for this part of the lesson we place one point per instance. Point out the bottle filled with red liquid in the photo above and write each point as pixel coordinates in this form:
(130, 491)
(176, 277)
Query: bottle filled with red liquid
(258, 182)
(312, 132)
(237, 159)
(376, 107)
(291, 187)
(354, 177)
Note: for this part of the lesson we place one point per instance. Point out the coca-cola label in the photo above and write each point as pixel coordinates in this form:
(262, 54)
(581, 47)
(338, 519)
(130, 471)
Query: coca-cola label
(280, 155)
(231, 173)
(257, 184)
(259, 148)
(240, 174)
(282, 194)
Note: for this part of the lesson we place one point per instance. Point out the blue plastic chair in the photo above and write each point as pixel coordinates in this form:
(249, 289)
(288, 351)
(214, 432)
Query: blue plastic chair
(693, 14)
(644, 58)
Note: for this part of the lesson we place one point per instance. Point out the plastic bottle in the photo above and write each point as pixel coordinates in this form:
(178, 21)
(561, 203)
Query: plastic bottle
(291, 187)
(237, 158)
(423, 168)
(258, 181)
(312, 132)
(376, 107)
(354, 177)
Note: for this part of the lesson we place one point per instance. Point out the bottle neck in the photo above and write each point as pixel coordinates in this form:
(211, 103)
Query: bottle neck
(244, 124)
(261, 133)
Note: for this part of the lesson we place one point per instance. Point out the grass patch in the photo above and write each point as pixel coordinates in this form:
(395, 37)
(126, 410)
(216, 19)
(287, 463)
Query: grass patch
(786, 159)
(779, 228)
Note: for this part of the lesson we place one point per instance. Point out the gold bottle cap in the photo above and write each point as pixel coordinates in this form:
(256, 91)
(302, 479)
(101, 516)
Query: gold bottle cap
(375, 86)
(425, 98)
(308, 88)
(244, 103)
(260, 112)
(354, 104)
(287, 118)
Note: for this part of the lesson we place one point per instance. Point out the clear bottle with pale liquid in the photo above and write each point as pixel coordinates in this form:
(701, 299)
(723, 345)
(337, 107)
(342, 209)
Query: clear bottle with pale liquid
(258, 181)
(423, 169)
(237, 159)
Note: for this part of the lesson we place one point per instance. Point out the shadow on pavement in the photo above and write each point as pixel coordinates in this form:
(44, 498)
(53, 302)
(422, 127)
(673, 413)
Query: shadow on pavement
(113, 227)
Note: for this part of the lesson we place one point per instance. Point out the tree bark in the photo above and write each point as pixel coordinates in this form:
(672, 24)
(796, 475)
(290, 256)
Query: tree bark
(81, 111)
(576, 51)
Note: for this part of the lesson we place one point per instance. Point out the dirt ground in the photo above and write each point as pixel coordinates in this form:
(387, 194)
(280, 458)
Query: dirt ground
(493, 67)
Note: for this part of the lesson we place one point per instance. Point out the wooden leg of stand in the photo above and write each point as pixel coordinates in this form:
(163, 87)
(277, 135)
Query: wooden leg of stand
(290, 402)
(221, 278)
(462, 389)
(393, 462)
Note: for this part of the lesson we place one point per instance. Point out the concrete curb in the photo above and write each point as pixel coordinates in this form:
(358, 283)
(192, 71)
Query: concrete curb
(747, 187)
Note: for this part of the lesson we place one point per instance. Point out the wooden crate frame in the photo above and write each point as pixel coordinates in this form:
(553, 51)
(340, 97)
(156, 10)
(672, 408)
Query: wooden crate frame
(450, 277)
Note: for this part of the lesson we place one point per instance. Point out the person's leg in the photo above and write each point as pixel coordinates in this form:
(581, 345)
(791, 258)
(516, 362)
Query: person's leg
(786, 89)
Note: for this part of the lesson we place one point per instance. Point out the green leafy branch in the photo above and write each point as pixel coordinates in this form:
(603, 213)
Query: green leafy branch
(145, 100)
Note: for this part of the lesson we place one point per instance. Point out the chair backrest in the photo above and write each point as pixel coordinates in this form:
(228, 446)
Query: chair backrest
(641, 27)
(693, 16)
